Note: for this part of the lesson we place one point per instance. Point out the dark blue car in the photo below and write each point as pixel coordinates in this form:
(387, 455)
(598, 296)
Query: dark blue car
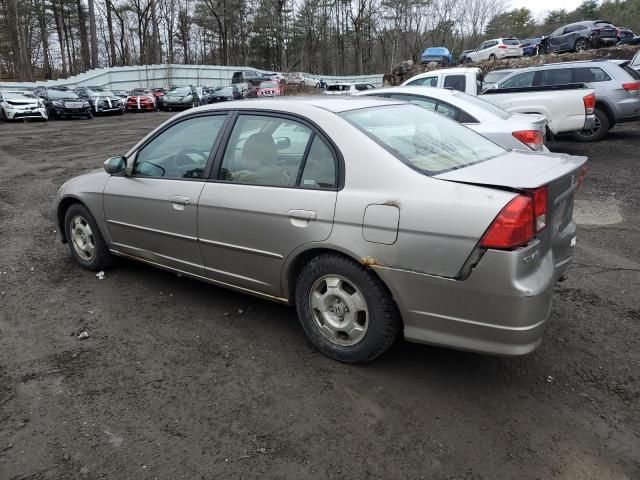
(439, 55)
(530, 46)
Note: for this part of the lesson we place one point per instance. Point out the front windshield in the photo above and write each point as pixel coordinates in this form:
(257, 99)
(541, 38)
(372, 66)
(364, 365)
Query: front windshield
(224, 90)
(267, 85)
(140, 91)
(62, 94)
(427, 141)
(182, 91)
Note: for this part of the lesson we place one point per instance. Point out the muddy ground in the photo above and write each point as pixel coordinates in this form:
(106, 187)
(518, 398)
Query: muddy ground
(180, 379)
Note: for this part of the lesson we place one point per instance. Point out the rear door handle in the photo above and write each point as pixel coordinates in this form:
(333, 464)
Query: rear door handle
(307, 215)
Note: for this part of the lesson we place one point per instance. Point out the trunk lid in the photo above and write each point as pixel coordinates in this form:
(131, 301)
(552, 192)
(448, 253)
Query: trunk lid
(523, 171)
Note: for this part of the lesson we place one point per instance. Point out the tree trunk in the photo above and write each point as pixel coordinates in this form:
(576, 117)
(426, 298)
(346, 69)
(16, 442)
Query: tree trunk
(84, 42)
(112, 40)
(42, 20)
(94, 35)
(57, 19)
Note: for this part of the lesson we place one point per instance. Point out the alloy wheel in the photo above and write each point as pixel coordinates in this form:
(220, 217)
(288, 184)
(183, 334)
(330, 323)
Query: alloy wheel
(339, 310)
(82, 238)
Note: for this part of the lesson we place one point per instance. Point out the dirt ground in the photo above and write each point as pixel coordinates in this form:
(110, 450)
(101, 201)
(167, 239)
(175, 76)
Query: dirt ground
(183, 380)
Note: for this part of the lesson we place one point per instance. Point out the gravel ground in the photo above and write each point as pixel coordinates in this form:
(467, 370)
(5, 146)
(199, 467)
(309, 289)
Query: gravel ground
(180, 379)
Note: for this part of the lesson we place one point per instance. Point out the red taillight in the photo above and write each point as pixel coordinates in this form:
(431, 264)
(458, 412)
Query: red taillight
(633, 88)
(540, 199)
(589, 103)
(581, 176)
(518, 222)
(502, 46)
(513, 227)
(531, 138)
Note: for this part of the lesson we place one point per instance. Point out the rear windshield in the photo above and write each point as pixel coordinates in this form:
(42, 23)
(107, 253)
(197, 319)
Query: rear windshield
(634, 74)
(338, 88)
(61, 94)
(497, 111)
(427, 141)
(493, 77)
(511, 41)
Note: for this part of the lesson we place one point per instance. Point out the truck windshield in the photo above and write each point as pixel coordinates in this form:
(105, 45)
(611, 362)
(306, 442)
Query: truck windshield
(426, 141)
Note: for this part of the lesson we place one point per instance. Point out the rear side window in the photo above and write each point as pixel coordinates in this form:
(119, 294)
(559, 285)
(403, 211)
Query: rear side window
(590, 74)
(320, 167)
(575, 28)
(456, 82)
(425, 82)
(556, 76)
(361, 86)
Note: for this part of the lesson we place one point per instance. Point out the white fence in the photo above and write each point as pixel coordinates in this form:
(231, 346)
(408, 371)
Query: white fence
(150, 76)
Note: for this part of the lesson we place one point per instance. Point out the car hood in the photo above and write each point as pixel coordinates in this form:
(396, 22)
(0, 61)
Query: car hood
(21, 101)
(517, 170)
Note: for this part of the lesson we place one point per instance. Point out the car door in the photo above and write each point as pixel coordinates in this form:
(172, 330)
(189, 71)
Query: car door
(275, 190)
(555, 39)
(477, 53)
(151, 212)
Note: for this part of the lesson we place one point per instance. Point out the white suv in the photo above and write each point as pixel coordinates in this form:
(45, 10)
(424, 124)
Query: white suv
(496, 49)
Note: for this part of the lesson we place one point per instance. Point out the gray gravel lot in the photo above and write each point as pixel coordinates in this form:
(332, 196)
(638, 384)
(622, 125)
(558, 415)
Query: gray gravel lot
(180, 379)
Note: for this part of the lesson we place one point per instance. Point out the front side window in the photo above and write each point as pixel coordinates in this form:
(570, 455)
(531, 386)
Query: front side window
(425, 82)
(265, 150)
(456, 82)
(518, 81)
(181, 151)
(422, 139)
(558, 32)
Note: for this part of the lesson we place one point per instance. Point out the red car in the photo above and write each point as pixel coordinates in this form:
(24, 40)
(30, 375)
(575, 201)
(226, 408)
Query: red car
(141, 100)
(269, 89)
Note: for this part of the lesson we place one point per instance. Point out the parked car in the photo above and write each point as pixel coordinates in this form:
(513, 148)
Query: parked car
(20, 105)
(463, 56)
(223, 94)
(63, 103)
(294, 78)
(179, 98)
(347, 88)
(375, 222)
(624, 35)
(580, 36)
(491, 78)
(511, 130)
(244, 76)
(496, 49)
(635, 62)
(567, 109)
(101, 99)
(530, 46)
(309, 81)
(159, 94)
(438, 55)
(616, 84)
(141, 100)
(122, 94)
(269, 89)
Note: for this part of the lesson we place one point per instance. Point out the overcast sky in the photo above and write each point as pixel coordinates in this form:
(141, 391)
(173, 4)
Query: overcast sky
(540, 7)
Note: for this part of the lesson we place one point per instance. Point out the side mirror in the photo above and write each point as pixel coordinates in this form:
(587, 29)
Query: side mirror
(282, 143)
(115, 165)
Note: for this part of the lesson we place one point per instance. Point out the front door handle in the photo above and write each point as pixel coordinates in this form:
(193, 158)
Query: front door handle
(179, 202)
(307, 215)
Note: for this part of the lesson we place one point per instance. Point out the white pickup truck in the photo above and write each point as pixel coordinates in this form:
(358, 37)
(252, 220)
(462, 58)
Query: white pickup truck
(568, 108)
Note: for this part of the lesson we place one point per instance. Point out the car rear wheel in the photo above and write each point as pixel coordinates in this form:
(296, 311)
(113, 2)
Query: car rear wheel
(345, 310)
(599, 130)
(492, 58)
(89, 116)
(581, 45)
(85, 241)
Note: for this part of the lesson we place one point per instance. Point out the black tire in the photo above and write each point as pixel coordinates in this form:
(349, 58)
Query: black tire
(603, 125)
(581, 45)
(492, 58)
(101, 258)
(89, 116)
(383, 324)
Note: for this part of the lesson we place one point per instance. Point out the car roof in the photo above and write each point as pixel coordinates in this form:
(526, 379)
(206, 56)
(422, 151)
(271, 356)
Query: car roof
(289, 104)
(570, 64)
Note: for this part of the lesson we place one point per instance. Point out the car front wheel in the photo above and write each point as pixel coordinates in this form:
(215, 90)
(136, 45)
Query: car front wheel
(345, 310)
(85, 241)
(581, 45)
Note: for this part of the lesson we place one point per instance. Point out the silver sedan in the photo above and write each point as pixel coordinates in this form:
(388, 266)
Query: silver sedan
(377, 219)
(517, 131)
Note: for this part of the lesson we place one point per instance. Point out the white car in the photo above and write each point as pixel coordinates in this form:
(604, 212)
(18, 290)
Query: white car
(514, 131)
(566, 109)
(495, 49)
(347, 88)
(16, 105)
(310, 81)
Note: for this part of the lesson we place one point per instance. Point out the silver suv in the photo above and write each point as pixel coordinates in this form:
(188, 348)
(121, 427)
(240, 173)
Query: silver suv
(617, 87)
